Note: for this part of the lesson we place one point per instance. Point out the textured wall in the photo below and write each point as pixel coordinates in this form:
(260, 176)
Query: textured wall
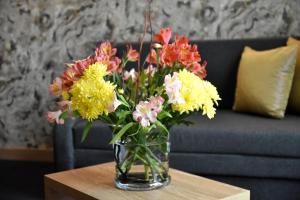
(37, 37)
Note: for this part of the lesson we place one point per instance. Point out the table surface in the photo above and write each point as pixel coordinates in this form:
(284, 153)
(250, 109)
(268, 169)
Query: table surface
(96, 182)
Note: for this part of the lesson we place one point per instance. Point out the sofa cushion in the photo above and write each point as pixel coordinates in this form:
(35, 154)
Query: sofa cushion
(227, 133)
(209, 163)
(264, 81)
(294, 101)
(237, 133)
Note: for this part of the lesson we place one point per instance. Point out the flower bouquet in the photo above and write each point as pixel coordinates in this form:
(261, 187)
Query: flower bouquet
(140, 105)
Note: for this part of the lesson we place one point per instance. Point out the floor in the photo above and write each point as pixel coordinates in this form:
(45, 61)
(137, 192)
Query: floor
(21, 180)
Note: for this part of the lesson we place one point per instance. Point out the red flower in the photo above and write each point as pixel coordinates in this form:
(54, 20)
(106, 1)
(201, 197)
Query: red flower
(163, 36)
(132, 54)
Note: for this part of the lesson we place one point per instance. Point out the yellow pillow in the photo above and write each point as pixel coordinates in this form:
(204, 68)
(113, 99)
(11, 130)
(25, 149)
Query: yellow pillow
(264, 81)
(294, 101)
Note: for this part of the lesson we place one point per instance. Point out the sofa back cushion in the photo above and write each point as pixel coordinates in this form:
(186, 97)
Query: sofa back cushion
(264, 81)
(223, 58)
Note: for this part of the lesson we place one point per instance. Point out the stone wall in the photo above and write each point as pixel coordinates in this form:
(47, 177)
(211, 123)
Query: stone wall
(38, 37)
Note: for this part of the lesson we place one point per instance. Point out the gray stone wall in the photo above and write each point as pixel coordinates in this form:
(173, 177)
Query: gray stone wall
(38, 37)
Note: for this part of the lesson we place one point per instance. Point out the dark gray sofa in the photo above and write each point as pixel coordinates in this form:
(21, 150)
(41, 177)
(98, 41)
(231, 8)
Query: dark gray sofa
(254, 152)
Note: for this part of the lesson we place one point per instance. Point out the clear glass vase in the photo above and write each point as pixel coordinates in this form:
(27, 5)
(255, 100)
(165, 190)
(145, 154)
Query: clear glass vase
(141, 166)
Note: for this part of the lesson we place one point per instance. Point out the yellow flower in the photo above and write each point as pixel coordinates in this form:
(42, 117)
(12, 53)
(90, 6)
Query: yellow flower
(65, 95)
(91, 94)
(197, 94)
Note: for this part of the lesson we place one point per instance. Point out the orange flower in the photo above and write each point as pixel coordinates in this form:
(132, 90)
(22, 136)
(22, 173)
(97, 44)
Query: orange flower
(151, 58)
(106, 55)
(114, 65)
(105, 49)
(56, 87)
(169, 54)
(132, 54)
(75, 71)
(188, 55)
(181, 40)
(163, 36)
(199, 70)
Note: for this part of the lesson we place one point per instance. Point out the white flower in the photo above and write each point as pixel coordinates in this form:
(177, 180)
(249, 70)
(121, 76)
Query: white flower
(114, 105)
(130, 74)
(172, 87)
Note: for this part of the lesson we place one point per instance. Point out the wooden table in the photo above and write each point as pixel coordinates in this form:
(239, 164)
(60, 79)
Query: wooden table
(96, 182)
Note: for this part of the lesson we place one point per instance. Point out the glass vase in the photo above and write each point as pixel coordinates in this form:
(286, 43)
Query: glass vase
(141, 166)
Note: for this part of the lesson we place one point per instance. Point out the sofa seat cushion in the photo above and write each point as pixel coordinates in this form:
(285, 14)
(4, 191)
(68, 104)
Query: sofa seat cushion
(228, 133)
(236, 133)
(209, 163)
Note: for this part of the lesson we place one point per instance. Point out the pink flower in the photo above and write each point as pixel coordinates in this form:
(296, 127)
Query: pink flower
(130, 74)
(132, 54)
(146, 111)
(151, 70)
(172, 86)
(65, 105)
(54, 117)
(156, 103)
(56, 87)
(163, 36)
(144, 114)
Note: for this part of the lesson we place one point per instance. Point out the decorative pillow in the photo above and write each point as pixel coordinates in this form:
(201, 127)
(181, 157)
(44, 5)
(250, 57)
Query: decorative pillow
(264, 81)
(294, 101)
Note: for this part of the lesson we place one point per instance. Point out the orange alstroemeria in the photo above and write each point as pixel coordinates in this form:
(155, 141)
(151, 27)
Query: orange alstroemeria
(132, 54)
(169, 54)
(106, 49)
(163, 36)
(151, 58)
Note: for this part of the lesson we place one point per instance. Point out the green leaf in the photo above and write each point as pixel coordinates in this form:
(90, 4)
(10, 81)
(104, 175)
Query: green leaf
(163, 127)
(106, 119)
(164, 114)
(76, 113)
(123, 101)
(86, 129)
(121, 132)
(122, 114)
(64, 115)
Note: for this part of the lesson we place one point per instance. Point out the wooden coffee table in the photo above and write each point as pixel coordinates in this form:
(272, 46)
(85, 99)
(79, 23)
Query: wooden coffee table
(96, 182)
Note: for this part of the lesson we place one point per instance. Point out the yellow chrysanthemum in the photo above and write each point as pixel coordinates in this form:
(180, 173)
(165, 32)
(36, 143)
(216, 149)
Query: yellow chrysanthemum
(65, 95)
(197, 94)
(91, 94)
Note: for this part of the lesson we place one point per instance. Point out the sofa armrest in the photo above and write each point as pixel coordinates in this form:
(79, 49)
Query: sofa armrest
(64, 145)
